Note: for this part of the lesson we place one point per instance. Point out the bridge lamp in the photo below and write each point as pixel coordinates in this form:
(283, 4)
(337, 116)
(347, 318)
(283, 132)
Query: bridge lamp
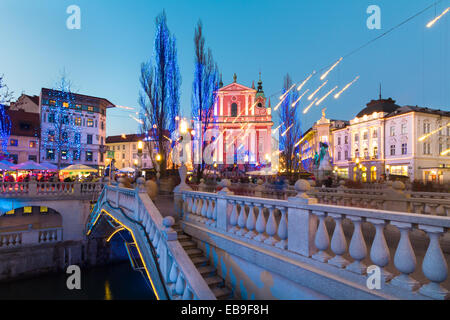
(183, 127)
(357, 160)
(158, 161)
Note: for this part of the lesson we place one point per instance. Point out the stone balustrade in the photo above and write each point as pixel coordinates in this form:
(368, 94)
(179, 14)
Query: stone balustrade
(392, 197)
(346, 238)
(27, 237)
(48, 190)
(154, 237)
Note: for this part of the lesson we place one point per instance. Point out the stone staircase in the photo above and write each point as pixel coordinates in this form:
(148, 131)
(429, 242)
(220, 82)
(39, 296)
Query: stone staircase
(208, 272)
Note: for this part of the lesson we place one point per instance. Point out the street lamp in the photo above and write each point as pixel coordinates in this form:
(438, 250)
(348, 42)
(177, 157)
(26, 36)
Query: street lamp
(140, 147)
(158, 161)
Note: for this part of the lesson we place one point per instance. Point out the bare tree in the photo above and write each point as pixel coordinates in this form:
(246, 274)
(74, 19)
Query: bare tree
(159, 97)
(204, 88)
(290, 131)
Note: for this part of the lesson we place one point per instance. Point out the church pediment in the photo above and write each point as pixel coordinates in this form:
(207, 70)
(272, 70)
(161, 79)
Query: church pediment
(235, 87)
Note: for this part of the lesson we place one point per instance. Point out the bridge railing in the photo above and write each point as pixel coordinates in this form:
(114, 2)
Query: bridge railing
(29, 236)
(302, 226)
(392, 197)
(156, 235)
(35, 189)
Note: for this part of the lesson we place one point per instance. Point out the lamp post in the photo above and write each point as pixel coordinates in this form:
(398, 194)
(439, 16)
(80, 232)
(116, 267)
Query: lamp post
(140, 147)
(215, 168)
(158, 161)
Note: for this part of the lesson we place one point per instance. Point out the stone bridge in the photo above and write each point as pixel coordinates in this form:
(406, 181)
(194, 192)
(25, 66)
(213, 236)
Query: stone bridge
(226, 246)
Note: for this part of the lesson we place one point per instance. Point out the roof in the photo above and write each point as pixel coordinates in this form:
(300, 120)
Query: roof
(24, 123)
(35, 99)
(407, 109)
(381, 105)
(82, 98)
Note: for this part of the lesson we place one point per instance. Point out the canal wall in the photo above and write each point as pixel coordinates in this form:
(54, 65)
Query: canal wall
(34, 260)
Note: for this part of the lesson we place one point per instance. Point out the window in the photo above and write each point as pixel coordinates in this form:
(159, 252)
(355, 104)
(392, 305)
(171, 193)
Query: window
(51, 117)
(346, 155)
(356, 137)
(366, 153)
(399, 170)
(89, 139)
(65, 137)
(32, 144)
(375, 152)
(375, 133)
(441, 146)
(123, 147)
(51, 135)
(50, 154)
(392, 150)
(32, 158)
(90, 122)
(78, 107)
(426, 127)
(101, 157)
(403, 128)
(426, 148)
(14, 142)
(89, 156)
(52, 102)
(234, 108)
(76, 155)
(96, 123)
(77, 138)
(90, 109)
(404, 148)
(392, 131)
(365, 134)
(339, 141)
(64, 155)
(78, 121)
(134, 147)
(123, 155)
(339, 155)
(356, 153)
(26, 126)
(102, 125)
(101, 141)
(65, 104)
(346, 139)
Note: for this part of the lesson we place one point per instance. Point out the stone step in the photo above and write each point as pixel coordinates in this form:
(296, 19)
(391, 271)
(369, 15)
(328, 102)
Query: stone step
(221, 293)
(214, 281)
(188, 244)
(199, 261)
(194, 252)
(183, 237)
(207, 270)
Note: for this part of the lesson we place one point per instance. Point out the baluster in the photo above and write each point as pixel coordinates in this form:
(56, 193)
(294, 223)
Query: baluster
(209, 212)
(152, 232)
(233, 217)
(179, 286)
(214, 214)
(194, 207)
(338, 243)
(198, 212)
(282, 229)
(357, 248)
(434, 265)
(204, 209)
(242, 220)
(322, 239)
(379, 253)
(405, 259)
(251, 222)
(271, 227)
(187, 295)
(173, 275)
(260, 224)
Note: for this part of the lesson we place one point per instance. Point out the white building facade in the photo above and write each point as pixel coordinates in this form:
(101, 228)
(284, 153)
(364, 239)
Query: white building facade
(385, 139)
(86, 116)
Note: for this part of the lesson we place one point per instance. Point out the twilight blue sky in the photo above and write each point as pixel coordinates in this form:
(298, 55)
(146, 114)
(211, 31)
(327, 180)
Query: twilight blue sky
(246, 36)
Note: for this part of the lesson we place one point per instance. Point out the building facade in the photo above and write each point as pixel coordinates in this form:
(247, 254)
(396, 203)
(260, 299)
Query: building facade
(125, 149)
(83, 128)
(242, 125)
(385, 139)
(23, 144)
(321, 131)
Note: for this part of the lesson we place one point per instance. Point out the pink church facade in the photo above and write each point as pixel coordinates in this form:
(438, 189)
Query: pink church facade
(242, 124)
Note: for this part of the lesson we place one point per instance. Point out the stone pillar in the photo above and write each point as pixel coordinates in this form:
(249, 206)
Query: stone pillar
(395, 198)
(259, 188)
(302, 223)
(223, 214)
(32, 187)
(178, 190)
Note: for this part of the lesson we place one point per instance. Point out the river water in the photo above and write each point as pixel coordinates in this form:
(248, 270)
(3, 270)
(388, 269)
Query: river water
(113, 282)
